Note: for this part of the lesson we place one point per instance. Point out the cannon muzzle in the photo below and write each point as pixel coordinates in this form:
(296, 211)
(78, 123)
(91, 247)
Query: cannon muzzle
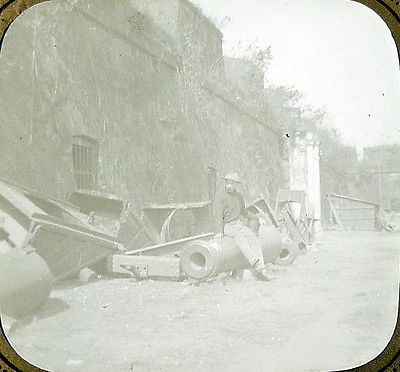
(202, 259)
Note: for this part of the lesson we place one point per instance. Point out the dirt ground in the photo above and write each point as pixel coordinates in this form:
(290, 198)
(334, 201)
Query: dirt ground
(334, 308)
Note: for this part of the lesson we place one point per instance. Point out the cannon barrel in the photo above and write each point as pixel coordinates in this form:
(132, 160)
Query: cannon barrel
(202, 259)
(26, 283)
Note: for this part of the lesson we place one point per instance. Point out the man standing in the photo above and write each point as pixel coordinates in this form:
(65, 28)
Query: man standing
(229, 215)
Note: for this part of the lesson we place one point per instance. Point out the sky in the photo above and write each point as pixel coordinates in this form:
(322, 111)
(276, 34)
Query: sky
(339, 53)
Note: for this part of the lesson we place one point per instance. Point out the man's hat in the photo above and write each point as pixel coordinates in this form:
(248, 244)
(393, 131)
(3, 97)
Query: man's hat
(232, 176)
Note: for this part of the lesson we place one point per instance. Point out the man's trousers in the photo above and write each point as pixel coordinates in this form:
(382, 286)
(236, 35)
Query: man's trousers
(246, 240)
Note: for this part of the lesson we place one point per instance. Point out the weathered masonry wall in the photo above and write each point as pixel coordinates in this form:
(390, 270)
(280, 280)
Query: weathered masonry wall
(87, 68)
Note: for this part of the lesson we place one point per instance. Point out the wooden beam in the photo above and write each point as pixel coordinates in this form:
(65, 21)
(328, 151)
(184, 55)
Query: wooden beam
(352, 199)
(191, 205)
(168, 244)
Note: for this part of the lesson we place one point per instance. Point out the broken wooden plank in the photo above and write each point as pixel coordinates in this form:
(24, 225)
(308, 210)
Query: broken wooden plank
(262, 206)
(334, 212)
(142, 223)
(294, 230)
(270, 212)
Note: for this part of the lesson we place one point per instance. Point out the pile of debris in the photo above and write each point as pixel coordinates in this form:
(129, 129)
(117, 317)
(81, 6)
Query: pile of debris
(97, 234)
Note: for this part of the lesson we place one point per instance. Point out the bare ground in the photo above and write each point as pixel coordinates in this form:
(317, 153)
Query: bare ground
(334, 308)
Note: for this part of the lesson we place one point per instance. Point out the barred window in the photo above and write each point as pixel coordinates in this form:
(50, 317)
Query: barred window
(85, 162)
